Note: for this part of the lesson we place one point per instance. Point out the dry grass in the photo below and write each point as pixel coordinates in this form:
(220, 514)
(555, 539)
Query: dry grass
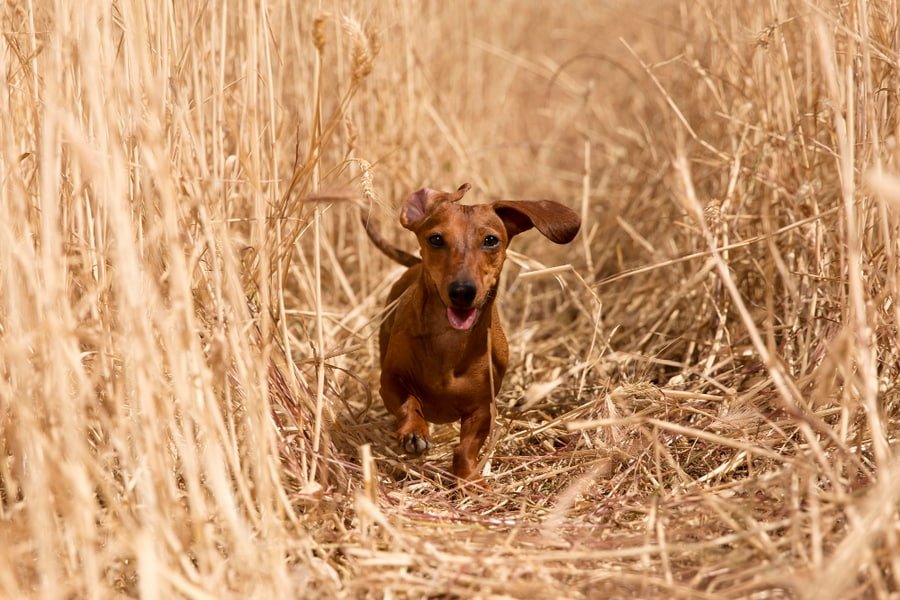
(704, 405)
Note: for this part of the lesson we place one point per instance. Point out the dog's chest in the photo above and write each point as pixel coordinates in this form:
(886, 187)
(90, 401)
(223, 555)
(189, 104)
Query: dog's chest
(447, 385)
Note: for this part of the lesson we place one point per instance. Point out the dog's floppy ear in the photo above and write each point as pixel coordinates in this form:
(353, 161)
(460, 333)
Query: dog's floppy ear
(421, 202)
(556, 222)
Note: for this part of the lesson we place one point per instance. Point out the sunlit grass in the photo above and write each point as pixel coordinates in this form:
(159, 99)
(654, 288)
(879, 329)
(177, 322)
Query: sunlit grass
(702, 401)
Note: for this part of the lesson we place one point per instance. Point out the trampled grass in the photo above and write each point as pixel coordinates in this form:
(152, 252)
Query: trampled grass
(704, 392)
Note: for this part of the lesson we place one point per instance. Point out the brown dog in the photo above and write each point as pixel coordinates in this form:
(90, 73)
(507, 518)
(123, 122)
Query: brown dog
(443, 351)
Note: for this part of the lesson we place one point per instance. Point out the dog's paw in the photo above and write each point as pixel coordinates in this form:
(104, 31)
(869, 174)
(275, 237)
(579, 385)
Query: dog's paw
(414, 443)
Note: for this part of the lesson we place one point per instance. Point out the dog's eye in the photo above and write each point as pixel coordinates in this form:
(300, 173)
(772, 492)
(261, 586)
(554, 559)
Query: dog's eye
(491, 241)
(436, 240)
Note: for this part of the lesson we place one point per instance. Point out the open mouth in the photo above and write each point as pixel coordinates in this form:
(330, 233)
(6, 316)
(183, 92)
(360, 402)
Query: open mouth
(462, 318)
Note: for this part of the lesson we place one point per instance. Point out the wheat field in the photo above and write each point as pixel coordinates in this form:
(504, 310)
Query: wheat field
(704, 388)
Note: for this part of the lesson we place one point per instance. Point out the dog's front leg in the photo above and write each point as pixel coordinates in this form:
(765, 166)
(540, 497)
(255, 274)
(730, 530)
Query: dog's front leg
(474, 430)
(411, 428)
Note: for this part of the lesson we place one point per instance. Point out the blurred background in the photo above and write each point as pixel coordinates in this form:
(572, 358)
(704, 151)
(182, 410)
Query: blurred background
(702, 399)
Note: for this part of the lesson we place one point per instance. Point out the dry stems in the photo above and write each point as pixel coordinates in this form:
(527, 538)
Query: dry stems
(703, 403)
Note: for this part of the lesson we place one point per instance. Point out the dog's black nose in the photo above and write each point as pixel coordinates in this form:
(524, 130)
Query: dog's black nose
(462, 293)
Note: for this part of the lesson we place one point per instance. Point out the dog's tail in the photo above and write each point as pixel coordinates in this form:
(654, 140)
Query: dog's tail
(396, 254)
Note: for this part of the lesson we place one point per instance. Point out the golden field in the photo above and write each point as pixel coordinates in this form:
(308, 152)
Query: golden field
(704, 390)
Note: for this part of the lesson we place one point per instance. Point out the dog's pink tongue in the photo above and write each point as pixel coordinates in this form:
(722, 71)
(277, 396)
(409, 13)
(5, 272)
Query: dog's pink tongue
(461, 318)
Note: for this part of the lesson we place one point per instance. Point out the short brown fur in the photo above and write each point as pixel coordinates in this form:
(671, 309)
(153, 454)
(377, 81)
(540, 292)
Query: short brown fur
(443, 350)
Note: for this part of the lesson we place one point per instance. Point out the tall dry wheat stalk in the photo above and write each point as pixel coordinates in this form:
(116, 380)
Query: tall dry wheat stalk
(702, 404)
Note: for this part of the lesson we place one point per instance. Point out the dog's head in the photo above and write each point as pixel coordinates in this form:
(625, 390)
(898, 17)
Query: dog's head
(463, 246)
